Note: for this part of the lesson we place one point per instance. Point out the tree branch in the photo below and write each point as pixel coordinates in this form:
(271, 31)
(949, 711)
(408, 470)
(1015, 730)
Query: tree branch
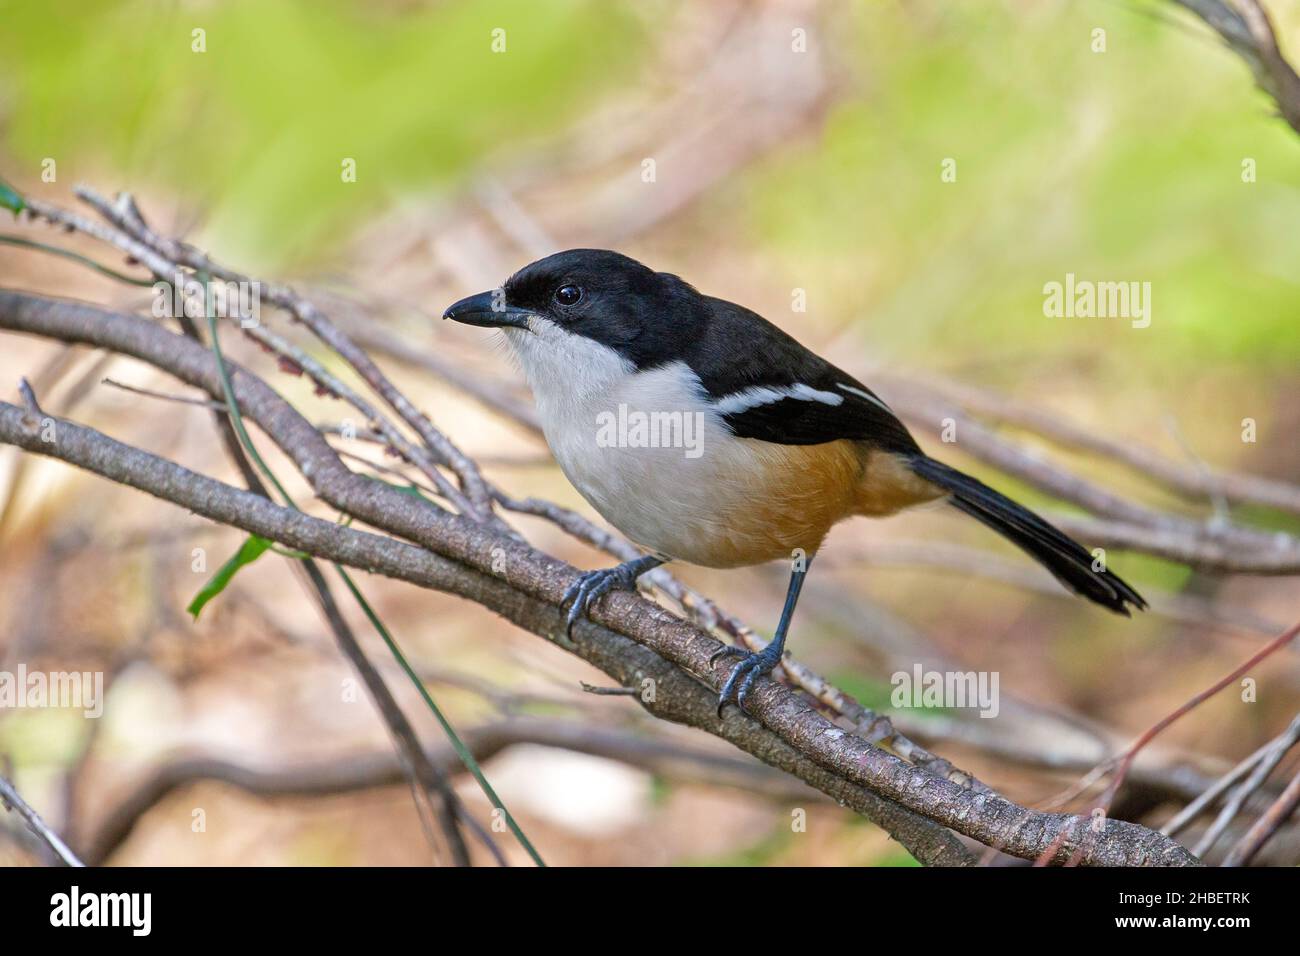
(11, 799)
(677, 696)
(364, 771)
(800, 739)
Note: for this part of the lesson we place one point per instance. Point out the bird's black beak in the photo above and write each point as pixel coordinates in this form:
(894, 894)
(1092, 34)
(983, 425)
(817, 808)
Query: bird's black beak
(487, 310)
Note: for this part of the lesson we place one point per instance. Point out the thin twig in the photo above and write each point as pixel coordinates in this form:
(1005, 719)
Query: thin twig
(608, 691)
(1266, 826)
(1197, 482)
(165, 396)
(29, 399)
(11, 799)
(1259, 774)
(1123, 761)
(1208, 797)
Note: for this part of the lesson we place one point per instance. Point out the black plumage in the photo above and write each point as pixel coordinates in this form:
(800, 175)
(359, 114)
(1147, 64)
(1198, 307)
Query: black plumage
(1068, 561)
(740, 350)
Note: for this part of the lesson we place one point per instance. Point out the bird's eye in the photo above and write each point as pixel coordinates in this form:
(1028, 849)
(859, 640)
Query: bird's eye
(568, 295)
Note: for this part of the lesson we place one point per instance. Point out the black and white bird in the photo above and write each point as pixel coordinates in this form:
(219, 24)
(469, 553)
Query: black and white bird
(706, 434)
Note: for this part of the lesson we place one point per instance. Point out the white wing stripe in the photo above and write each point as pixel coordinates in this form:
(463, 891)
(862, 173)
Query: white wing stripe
(757, 395)
(869, 397)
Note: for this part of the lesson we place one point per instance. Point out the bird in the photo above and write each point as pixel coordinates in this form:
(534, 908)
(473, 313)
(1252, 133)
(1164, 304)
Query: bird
(706, 434)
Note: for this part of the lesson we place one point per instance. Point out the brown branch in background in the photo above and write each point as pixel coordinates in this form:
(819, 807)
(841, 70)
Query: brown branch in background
(1215, 546)
(350, 773)
(12, 800)
(1278, 554)
(1193, 482)
(1124, 761)
(1211, 794)
(608, 691)
(432, 778)
(178, 253)
(427, 780)
(170, 271)
(378, 339)
(207, 403)
(968, 562)
(1270, 756)
(29, 399)
(1266, 826)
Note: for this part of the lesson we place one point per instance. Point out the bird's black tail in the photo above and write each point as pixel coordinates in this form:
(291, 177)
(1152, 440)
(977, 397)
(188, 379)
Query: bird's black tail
(1050, 547)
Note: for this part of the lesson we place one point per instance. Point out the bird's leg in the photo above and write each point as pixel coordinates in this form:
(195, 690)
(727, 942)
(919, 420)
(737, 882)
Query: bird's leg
(592, 584)
(754, 663)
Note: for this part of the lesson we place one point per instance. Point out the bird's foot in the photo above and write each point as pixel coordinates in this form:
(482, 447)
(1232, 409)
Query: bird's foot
(751, 666)
(594, 584)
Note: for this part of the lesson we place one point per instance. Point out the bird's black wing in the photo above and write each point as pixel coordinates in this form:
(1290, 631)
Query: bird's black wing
(768, 386)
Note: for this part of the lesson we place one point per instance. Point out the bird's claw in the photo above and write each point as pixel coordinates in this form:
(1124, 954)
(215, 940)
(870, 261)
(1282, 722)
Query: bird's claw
(588, 587)
(727, 650)
(751, 666)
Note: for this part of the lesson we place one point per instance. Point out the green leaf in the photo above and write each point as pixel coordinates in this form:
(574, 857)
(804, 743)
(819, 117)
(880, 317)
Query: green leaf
(10, 199)
(248, 552)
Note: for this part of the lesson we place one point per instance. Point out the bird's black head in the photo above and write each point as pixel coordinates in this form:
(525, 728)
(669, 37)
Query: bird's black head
(597, 294)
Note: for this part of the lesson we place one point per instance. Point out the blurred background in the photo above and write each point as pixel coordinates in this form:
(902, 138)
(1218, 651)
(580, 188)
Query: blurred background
(771, 153)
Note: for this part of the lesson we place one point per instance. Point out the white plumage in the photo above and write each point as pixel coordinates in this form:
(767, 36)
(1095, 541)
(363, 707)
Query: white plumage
(714, 509)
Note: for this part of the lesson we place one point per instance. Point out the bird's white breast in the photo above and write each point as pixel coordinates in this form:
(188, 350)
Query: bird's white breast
(680, 499)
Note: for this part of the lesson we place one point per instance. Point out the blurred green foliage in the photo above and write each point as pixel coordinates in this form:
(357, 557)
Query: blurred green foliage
(1117, 165)
(257, 126)
(1120, 165)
